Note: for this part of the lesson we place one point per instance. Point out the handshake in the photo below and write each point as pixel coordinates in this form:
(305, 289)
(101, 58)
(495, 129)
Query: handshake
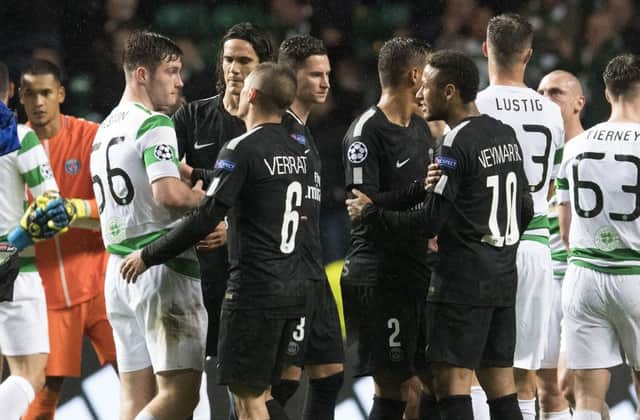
(48, 215)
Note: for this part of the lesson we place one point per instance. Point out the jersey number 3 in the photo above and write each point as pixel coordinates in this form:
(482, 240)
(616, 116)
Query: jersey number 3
(291, 218)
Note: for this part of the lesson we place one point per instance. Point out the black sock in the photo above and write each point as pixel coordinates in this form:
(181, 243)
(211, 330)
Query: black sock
(385, 409)
(321, 398)
(276, 412)
(283, 391)
(428, 407)
(456, 407)
(505, 408)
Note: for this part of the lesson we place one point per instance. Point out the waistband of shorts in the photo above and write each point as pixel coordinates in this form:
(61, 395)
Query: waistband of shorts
(28, 265)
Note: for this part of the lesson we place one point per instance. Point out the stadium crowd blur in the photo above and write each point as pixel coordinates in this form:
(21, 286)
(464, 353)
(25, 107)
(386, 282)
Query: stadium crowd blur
(86, 37)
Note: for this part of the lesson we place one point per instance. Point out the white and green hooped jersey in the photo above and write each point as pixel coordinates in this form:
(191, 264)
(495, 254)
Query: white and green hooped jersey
(600, 177)
(539, 129)
(29, 165)
(558, 250)
(132, 148)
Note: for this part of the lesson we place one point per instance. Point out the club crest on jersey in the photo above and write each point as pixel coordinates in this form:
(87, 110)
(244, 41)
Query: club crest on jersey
(72, 166)
(447, 162)
(357, 152)
(46, 171)
(225, 165)
(607, 239)
(299, 138)
(163, 152)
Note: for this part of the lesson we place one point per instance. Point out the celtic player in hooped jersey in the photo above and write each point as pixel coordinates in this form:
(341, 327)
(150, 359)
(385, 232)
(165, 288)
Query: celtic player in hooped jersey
(159, 323)
(599, 195)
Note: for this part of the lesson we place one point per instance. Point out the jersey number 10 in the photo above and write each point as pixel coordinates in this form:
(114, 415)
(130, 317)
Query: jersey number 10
(512, 233)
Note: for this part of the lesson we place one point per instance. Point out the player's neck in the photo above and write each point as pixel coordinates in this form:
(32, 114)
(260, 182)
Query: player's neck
(397, 107)
(465, 111)
(501, 76)
(301, 110)
(48, 130)
(572, 129)
(137, 95)
(231, 103)
(625, 111)
(255, 118)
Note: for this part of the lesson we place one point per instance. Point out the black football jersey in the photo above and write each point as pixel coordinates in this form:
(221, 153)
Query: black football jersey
(202, 127)
(381, 158)
(483, 177)
(311, 247)
(262, 176)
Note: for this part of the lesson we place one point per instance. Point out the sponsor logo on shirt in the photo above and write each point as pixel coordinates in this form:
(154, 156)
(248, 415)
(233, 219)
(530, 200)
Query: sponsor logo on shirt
(447, 162)
(299, 138)
(225, 165)
(72, 166)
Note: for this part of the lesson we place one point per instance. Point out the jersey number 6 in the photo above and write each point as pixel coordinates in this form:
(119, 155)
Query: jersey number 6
(111, 174)
(291, 218)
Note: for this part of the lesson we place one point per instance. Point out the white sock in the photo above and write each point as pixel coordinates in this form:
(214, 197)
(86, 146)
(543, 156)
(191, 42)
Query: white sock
(144, 415)
(556, 415)
(16, 393)
(203, 411)
(528, 409)
(479, 402)
(586, 415)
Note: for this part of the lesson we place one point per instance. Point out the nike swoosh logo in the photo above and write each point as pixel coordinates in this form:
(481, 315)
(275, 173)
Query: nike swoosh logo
(197, 146)
(401, 164)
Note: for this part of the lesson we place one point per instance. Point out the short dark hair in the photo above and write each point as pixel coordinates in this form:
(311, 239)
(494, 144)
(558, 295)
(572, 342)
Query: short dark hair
(4, 79)
(277, 87)
(254, 35)
(295, 50)
(457, 69)
(148, 49)
(622, 75)
(397, 56)
(509, 35)
(40, 67)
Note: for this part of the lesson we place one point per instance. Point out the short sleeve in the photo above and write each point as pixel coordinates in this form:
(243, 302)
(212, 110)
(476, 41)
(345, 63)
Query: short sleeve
(451, 162)
(562, 181)
(33, 165)
(229, 175)
(361, 162)
(559, 149)
(157, 147)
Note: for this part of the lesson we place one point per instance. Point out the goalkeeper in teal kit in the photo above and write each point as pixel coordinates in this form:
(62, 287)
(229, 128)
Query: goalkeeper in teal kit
(24, 337)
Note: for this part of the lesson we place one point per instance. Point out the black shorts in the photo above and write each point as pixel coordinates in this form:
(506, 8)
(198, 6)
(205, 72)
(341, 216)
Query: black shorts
(388, 326)
(254, 346)
(469, 336)
(320, 334)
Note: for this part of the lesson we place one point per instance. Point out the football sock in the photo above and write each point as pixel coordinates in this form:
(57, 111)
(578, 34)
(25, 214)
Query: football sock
(528, 409)
(455, 407)
(321, 398)
(144, 415)
(479, 403)
(386, 409)
(276, 412)
(284, 390)
(586, 415)
(428, 407)
(44, 405)
(15, 395)
(556, 415)
(506, 408)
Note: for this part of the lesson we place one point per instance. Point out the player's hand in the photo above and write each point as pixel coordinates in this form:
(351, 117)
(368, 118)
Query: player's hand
(44, 218)
(355, 205)
(215, 239)
(185, 173)
(132, 267)
(432, 244)
(433, 176)
(197, 188)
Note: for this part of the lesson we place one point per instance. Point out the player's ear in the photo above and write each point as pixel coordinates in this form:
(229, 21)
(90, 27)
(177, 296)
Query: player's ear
(414, 76)
(607, 95)
(252, 95)
(141, 74)
(485, 49)
(62, 94)
(527, 55)
(449, 91)
(579, 104)
(11, 90)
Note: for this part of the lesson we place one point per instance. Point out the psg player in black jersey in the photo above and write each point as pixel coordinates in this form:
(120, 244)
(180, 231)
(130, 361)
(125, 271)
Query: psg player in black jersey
(262, 177)
(202, 127)
(319, 331)
(384, 277)
(478, 209)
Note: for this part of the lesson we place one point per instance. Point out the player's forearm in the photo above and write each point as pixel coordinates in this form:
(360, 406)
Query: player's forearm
(526, 212)
(564, 220)
(173, 193)
(186, 234)
(400, 199)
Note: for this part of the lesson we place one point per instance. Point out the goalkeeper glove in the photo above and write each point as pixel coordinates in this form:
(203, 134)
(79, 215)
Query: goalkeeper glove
(44, 218)
(77, 208)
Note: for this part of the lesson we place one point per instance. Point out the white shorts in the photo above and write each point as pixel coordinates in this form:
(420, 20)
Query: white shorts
(602, 318)
(158, 321)
(553, 346)
(23, 322)
(533, 304)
